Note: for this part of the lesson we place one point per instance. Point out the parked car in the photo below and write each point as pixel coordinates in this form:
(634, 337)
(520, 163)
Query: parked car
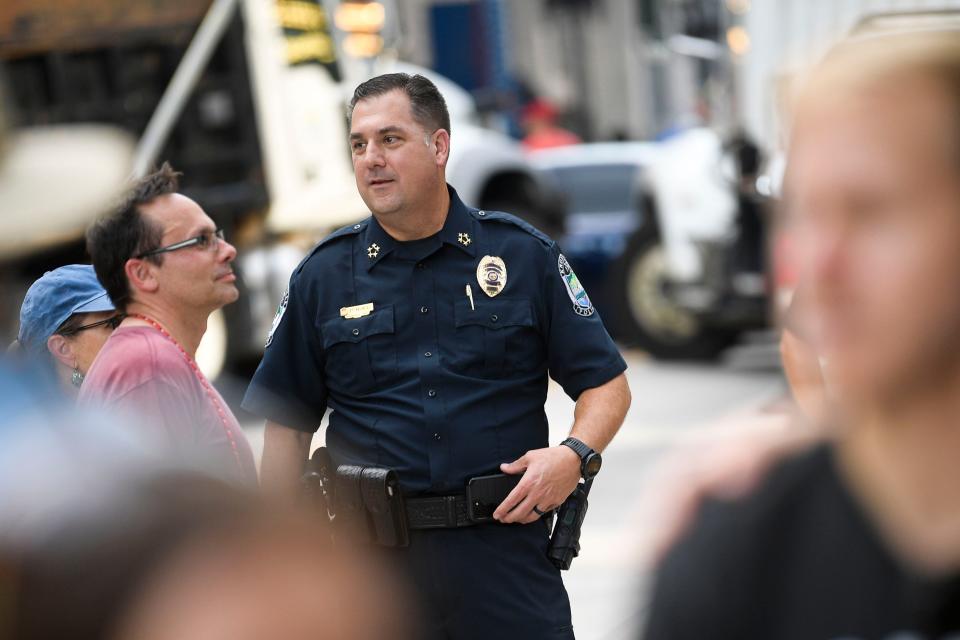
(668, 237)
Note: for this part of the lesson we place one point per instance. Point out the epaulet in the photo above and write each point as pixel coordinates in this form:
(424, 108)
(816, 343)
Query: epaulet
(507, 218)
(349, 230)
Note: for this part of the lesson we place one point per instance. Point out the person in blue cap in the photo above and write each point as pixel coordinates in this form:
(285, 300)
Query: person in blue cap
(65, 318)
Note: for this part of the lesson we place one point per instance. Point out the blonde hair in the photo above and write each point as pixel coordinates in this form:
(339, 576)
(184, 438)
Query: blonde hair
(867, 62)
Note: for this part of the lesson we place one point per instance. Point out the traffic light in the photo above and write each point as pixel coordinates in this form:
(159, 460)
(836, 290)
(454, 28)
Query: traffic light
(361, 21)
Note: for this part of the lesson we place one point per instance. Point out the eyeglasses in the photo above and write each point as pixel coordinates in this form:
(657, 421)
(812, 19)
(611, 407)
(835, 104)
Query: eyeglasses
(208, 240)
(112, 322)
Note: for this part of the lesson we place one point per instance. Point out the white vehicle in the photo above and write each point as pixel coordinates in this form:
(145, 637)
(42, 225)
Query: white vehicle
(248, 98)
(667, 239)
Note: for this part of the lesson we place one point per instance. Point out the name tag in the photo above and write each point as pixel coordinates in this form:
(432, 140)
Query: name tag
(357, 311)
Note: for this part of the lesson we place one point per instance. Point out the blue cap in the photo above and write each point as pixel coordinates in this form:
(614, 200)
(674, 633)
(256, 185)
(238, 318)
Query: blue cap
(53, 298)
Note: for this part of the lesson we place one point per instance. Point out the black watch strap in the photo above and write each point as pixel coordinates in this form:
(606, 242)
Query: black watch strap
(581, 448)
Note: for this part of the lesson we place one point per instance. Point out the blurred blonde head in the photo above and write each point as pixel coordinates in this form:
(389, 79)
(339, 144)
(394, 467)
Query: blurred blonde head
(872, 198)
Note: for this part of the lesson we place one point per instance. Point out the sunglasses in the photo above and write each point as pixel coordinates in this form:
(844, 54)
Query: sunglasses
(112, 322)
(206, 240)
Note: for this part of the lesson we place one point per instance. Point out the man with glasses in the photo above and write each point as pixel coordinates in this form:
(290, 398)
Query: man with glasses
(167, 268)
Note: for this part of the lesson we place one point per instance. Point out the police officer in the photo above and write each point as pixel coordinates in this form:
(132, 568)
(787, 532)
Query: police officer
(429, 329)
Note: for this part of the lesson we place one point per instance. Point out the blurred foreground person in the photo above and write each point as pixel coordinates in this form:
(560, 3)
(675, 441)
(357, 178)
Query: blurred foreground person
(858, 537)
(801, 363)
(65, 318)
(167, 268)
(183, 557)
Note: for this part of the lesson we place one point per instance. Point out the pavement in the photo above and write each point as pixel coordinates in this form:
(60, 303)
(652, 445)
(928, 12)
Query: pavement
(678, 410)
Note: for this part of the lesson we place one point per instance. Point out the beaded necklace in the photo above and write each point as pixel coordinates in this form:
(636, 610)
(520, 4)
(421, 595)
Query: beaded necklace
(202, 379)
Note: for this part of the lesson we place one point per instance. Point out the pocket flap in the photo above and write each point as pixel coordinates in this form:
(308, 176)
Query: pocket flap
(494, 314)
(354, 330)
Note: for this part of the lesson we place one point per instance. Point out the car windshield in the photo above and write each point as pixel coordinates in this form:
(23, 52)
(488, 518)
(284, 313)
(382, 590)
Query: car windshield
(597, 188)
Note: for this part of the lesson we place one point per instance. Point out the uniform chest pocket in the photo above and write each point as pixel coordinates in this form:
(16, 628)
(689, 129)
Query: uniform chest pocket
(495, 338)
(361, 353)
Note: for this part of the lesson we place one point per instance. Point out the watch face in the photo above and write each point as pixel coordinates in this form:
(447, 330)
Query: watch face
(591, 465)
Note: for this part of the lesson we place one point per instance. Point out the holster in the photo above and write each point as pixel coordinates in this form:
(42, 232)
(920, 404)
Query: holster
(565, 542)
(317, 483)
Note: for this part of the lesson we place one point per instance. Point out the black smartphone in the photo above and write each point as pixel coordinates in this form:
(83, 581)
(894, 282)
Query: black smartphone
(485, 493)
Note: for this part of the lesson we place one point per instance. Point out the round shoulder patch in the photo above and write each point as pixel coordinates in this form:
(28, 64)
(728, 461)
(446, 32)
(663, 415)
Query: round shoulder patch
(281, 309)
(581, 301)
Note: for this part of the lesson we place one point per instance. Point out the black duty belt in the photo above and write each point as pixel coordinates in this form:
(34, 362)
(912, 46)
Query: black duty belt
(438, 512)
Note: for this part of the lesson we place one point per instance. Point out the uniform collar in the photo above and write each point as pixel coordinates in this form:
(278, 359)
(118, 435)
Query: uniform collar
(458, 231)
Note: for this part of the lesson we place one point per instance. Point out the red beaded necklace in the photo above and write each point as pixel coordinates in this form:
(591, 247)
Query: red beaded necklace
(202, 379)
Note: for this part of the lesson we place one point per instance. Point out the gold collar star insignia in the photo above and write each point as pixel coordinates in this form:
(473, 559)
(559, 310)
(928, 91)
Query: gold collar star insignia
(373, 251)
(464, 239)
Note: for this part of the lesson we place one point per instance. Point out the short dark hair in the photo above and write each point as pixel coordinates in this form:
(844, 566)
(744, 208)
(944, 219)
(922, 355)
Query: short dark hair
(126, 233)
(427, 103)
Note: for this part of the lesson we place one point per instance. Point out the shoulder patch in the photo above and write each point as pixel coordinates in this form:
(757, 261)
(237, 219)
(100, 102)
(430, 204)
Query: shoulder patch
(508, 218)
(578, 295)
(349, 230)
(281, 309)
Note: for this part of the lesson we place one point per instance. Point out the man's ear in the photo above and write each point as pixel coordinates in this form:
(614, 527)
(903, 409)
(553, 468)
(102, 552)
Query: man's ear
(441, 145)
(62, 351)
(141, 274)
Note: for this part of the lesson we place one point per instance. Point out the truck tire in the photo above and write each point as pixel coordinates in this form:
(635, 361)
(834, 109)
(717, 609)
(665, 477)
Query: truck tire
(649, 319)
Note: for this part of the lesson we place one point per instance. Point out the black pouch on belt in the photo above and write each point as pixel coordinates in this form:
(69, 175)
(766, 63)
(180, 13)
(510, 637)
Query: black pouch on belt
(351, 519)
(385, 506)
(370, 506)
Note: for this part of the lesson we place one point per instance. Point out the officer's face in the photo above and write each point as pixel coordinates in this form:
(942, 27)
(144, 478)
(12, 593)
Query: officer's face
(398, 164)
(873, 202)
(196, 278)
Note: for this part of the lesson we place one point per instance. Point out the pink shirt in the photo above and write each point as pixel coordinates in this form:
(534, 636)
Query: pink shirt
(143, 375)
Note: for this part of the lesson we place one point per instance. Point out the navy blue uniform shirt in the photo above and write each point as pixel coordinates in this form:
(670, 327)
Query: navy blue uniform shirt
(420, 376)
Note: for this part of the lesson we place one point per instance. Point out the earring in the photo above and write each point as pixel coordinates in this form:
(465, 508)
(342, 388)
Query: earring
(77, 378)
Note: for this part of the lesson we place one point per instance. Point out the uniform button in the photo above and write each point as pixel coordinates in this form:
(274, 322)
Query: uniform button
(432, 393)
(427, 354)
(494, 318)
(356, 227)
(483, 213)
(420, 265)
(356, 332)
(424, 309)
(436, 436)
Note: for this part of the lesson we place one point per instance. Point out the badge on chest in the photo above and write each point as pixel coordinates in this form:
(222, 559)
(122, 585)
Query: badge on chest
(492, 275)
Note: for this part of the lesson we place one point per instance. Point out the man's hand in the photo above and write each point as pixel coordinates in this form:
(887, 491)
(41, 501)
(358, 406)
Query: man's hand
(549, 476)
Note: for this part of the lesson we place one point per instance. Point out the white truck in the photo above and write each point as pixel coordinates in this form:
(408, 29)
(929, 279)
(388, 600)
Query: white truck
(695, 277)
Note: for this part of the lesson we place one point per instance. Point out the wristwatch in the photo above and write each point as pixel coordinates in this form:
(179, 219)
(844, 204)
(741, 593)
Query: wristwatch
(590, 460)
